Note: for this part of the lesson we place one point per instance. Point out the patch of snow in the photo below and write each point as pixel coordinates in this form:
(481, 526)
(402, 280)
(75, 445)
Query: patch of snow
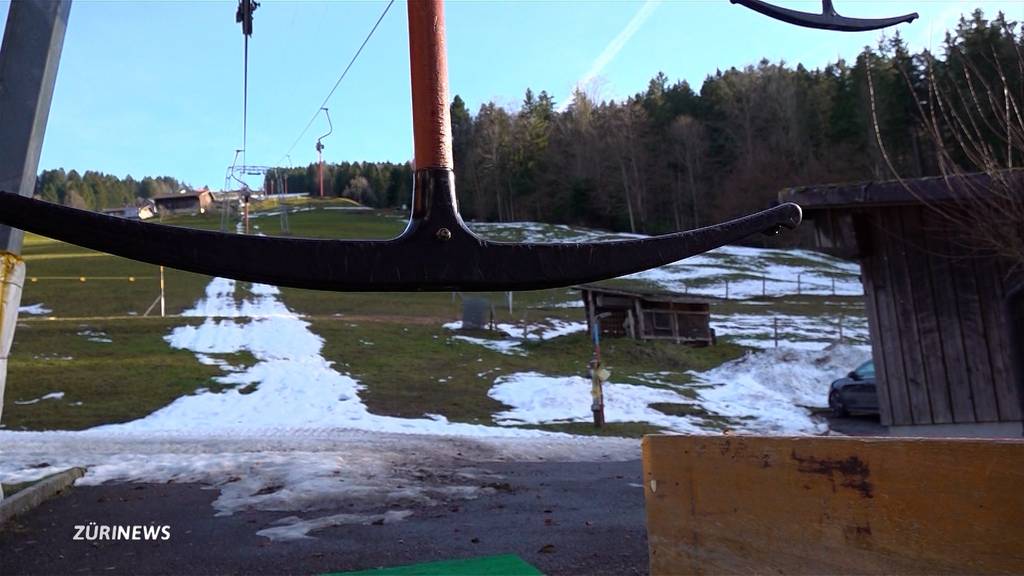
(302, 470)
(545, 330)
(295, 528)
(294, 385)
(50, 396)
(539, 399)
(95, 336)
(34, 309)
(509, 347)
(51, 356)
(705, 274)
(765, 392)
(772, 390)
(795, 331)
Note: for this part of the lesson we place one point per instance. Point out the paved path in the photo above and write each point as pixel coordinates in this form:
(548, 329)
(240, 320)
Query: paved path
(564, 518)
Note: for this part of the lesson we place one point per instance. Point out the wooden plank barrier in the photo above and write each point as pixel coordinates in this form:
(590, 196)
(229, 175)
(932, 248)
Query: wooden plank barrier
(834, 505)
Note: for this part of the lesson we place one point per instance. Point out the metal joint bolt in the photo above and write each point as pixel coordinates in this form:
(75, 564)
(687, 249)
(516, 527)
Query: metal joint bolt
(444, 234)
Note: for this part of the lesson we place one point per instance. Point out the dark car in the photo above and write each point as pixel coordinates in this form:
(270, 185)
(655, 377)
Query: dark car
(855, 393)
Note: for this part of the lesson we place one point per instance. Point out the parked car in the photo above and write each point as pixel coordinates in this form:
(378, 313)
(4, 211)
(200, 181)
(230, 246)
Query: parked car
(855, 393)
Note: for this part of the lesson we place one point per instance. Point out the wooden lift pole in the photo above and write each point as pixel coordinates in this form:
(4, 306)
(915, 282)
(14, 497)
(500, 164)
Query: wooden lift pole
(29, 57)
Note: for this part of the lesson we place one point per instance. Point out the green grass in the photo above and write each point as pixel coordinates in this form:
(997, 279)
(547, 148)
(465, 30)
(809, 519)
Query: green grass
(107, 290)
(127, 379)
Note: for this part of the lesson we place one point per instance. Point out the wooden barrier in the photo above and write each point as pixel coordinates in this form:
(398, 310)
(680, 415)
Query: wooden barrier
(834, 505)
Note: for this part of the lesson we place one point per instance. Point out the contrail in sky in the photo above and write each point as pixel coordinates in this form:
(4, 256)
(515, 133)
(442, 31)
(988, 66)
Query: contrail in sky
(612, 49)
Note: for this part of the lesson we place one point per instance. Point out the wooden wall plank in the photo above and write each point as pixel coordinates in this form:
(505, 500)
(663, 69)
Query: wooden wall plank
(833, 505)
(889, 322)
(864, 231)
(930, 338)
(948, 317)
(976, 340)
(906, 316)
(993, 306)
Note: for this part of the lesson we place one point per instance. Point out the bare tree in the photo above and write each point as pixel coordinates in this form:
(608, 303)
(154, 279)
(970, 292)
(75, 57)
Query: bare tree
(689, 143)
(971, 113)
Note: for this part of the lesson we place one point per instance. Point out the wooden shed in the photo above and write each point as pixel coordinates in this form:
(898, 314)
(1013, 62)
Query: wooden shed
(185, 202)
(648, 315)
(940, 333)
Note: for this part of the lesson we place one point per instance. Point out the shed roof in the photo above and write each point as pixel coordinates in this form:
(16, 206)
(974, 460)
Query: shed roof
(897, 192)
(652, 295)
(192, 194)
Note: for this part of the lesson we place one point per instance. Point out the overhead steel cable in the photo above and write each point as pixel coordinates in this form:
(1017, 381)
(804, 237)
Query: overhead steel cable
(340, 78)
(243, 16)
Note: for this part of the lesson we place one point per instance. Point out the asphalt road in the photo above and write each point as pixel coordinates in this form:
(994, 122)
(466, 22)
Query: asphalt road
(858, 426)
(564, 518)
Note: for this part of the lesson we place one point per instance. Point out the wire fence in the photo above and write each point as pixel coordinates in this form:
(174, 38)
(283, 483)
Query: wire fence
(766, 331)
(81, 279)
(763, 285)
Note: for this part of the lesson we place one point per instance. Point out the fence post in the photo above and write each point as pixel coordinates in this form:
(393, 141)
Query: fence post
(764, 290)
(798, 284)
(840, 328)
(726, 289)
(776, 324)
(834, 286)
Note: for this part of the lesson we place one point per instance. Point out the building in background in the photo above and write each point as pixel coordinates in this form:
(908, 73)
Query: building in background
(938, 310)
(648, 315)
(184, 202)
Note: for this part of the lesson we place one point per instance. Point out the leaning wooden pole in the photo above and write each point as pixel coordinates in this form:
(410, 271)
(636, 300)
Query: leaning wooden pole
(29, 56)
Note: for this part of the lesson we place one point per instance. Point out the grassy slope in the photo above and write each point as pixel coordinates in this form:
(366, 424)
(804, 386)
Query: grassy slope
(132, 376)
(139, 373)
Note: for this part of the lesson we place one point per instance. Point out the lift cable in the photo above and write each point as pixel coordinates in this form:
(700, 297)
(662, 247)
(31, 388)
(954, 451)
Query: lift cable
(340, 78)
(244, 17)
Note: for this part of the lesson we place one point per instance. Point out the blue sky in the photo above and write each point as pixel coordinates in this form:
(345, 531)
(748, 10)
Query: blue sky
(155, 88)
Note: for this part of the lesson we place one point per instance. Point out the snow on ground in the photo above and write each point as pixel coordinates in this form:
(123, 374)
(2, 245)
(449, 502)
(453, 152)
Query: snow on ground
(754, 272)
(794, 331)
(313, 472)
(706, 274)
(541, 232)
(34, 309)
(771, 390)
(765, 392)
(544, 330)
(510, 347)
(95, 335)
(50, 396)
(539, 399)
(295, 385)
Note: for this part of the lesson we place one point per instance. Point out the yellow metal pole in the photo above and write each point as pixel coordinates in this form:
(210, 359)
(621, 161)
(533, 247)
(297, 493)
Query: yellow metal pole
(12, 278)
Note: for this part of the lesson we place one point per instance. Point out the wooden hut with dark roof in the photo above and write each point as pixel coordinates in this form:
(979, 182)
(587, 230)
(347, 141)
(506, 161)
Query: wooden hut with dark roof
(648, 314)
(939, 311)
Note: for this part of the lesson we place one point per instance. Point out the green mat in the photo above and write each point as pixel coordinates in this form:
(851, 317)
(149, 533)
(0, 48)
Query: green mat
(504, 565)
